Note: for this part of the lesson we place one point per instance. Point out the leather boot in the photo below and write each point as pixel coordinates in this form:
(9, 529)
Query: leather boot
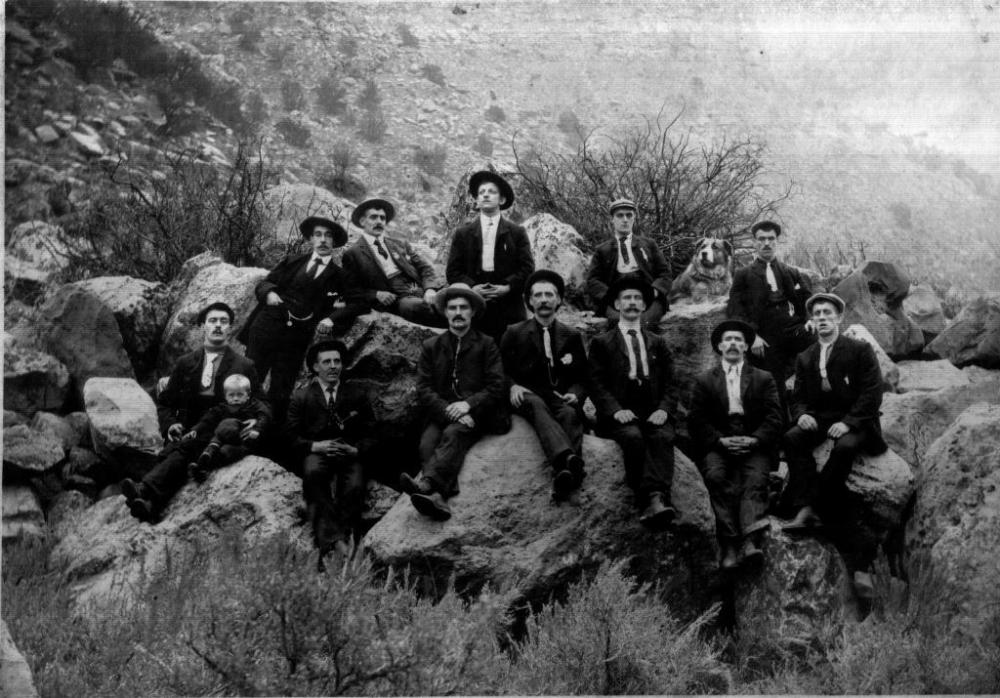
(658, 513)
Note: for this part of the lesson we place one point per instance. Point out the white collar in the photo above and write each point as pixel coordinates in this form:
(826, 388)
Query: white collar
(322, 260)
(493, 220)
(625, 326)
(827, 344)
(739, 367)
(628, 238)
(371, 239)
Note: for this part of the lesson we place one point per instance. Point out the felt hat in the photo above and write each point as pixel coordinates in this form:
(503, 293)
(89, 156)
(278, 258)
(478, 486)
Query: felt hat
(362, 208)
(339, 234)
(629, 281)
(325, 345)
(830, 297)
(459, 290)
(728, 326)
(218, 305)
(506, 191)
(544, 275)
(621, 203)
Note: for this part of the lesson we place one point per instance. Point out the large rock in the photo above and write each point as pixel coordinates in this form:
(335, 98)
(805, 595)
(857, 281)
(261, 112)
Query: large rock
(890, 373)
(874, 295)
(141, 309)
(956, 519)
(215, 282)
(32, 380)
(109, 557)
(973, 337)
(15, 674)
(556, 246)
(30, 453)
(913, 421)
(506, 531)
(123, 424)
(924, 308)
(287, 205)
(22, 514)
(36, 252)
(929, 376)
(58, 427)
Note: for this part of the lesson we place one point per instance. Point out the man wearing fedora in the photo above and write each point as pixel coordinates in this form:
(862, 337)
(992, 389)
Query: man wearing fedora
(294, 298)
(492, 255)
(635, 396)
(628, 253)
(461, 388)
(387, 274)
(329, 428)
(194, 387)
(736, 422)
(547, 368)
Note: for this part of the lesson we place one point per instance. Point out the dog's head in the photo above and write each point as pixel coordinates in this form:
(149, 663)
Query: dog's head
(712, 252)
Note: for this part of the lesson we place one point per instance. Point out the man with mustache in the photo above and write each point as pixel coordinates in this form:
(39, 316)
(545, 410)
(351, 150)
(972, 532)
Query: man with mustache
(387, 274)
(460, 386)
(635, 396)
(628, 253)
(194, 387)
(547, 367)
(735, 422)
(492, 255)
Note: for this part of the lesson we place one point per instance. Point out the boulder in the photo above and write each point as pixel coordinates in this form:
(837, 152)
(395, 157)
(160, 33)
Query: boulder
(56, 426)
(924, 308)
(890, 373)
(46, 134)
(77, 328)
(22, 514)
(85, 471)
(89, 144)
(32, 380)
(874, 295)
(11, 418)
(955, 525)
(505, 530)
(929, 376)
(973, 337)
(211, 283)
(108, 557)
(124, 428)
(15, 674)
(557, 246)
(63, 509)
(287, 205)
(80, 422)
(36, 252)
(911, 422)
(30, 453)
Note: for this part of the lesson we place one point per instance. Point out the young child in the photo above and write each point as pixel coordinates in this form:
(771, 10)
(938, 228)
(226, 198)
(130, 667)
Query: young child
(224, 423)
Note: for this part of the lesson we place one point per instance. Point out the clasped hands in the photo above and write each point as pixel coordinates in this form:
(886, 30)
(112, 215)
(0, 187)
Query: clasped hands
(459, 412)
(808, 423)
(518, 393)
(491, 292)
(175, 432)
(657, 418)
(334, 447)
(738, 445)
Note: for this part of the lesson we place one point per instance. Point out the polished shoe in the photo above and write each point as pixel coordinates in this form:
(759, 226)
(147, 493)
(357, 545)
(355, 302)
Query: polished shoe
(196, 472)
(131, 489)
(575, 465)
(750, 554)
(431, 505)
(414, 485)
(863, 587)
(805, 520)
(142, 509)
(208, 456)
(730, 560)
(658, 514)
(563, 485)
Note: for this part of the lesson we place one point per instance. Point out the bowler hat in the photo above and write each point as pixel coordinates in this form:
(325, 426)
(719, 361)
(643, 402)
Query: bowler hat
(621, 203)
(339, 234)
(325, 345)
(766, 225)
(482, 176)
(829, 297)
(732, 325)
(544, 275)
(218, 305)
(629, 281)
(362, 208)
(459, 290)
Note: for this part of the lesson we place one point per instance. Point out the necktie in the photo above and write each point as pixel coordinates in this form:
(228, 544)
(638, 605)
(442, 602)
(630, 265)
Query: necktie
(381, 250)
(640, 367)
(769, 275)
(316, 268)
(624, 249)
(454, 369)
(733, 388)
(547, 344)
(208, 372)
(824, 354)
(331, 402)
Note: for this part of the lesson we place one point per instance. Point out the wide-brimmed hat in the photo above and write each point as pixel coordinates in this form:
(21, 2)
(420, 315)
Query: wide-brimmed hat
(506, 191)
(629, 281)
(829, 297)
(459, 290)
(544, 275)
(218, 305)
(390, 210)
(325, 345)
(732, 325)
(621, 203)
(339, 234)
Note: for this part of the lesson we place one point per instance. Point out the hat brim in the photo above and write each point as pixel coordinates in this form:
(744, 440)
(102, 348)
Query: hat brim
(626, 282)
(548, 276)
(749, 336)
(506, 191)
(446, 294)
(618, 207)
(359, 210)
(339, 234)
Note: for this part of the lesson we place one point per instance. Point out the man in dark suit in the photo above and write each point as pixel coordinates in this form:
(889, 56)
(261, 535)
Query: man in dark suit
(735, 422)
(195, 386)
(386, 274)
(460, 386)
(298, 296)
(634, 394)
(770, 297)
(329, 428)
(547, 367)
(628, 253)
(492, 255)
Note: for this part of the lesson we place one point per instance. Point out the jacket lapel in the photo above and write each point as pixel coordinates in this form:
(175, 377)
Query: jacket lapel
(745, 382)
(372, 260)
(477, 245)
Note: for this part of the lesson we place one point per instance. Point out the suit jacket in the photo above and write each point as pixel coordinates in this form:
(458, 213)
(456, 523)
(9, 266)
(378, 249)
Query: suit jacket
(309, 419)
(180, 401)
(480, 377)
(255, 408)
(856, 389)
(749, 294)
(609, 374)
(364, 276)
(603, 269)
(708, 418)
(524, 359)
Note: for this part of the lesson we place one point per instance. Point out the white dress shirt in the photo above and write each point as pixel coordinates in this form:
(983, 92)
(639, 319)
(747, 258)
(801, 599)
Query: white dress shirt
(733, 373)
(489, 224)
(624, 328)
(633, 264)
(323, 261)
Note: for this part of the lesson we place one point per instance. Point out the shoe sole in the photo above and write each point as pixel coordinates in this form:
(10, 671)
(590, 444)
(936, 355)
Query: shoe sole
(426, 506)
(139, 511)
(563, 485)
(130, 489)
(660, 521)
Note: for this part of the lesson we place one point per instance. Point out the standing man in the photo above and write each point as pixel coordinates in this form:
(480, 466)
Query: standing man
(298, 295)
(330, 430)
(386, 274)
(194, 387)
(735, 422)
(547, 367)
(460, 385)
(492, 255)
(635, 398)
(627, 253)
(769, 296)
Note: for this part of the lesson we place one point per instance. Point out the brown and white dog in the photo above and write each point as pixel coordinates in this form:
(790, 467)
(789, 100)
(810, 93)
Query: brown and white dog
(710, 272)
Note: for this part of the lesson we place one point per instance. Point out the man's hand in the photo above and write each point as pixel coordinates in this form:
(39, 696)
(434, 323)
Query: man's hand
(175, 431)
(807, 423)
(501, 290)
(273, 298)
(162, 384)
(487, 291)
(517, 393)
(810, 327)
(837, 429)
(333, 447)
(625, 416)
(738, 445)
(468, 421)
(429, 296)
(385, 297)
(190, 435)
(759, 345)
(658, 418)
(325, 326)
(249, 431)
(568, 398)
(456, 410)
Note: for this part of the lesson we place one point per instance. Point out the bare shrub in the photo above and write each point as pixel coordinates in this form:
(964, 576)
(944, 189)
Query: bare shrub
(294, 132)
(278, 53)
(568, 122)
(484, 146)
(372, 125)
(250, 38)
(293, 97)
(255, 111)
(431, 159)
(348, 46)
(370, 98)
(433, 72)
(406, 36)
(331, 97)
(495, 114)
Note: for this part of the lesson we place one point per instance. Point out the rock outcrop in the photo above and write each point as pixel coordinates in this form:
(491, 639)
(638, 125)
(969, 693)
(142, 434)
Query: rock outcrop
(58, 427)
(924, 308)
(556, 246)
(124, 428)
(36, 251)
(32, 380)
(874, 295)
(15, 674)
(22, 514)
(29, 453)
(687, 329)
(973, 337)
(929, 376)
(890, 373)
(287, 205)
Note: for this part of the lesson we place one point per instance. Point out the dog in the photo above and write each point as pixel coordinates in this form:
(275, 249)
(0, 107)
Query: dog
(710, 272)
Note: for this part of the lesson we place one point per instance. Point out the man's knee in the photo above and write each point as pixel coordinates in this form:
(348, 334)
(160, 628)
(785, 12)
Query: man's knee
(532, 405)
(848, 444)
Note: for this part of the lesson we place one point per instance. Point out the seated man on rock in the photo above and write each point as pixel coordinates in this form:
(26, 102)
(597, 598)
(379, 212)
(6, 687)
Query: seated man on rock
(634, 394)
(387, 274)
(548, 372)
(735, 422)
(329, 427)
(461, 387)
(195, 386)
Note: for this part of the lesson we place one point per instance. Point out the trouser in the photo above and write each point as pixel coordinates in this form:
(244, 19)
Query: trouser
(785, 342)
(823, 490)
(334, 491)
(415, 310)
(442, 452)
(650, 317)
(558, 425)
(227, 437)
(171, 473)
(738, 489)
(648, 452)
(498, 315)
